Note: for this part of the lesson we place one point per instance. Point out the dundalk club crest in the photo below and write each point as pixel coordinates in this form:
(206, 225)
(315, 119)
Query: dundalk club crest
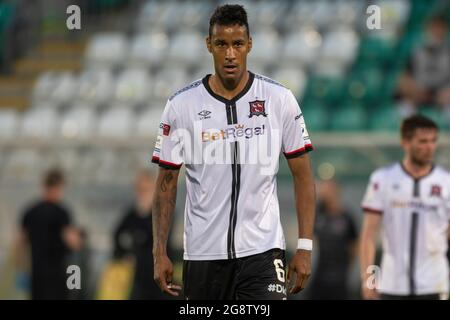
(257, 108)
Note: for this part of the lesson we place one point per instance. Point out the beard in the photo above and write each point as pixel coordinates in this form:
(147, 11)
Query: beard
(420, 162)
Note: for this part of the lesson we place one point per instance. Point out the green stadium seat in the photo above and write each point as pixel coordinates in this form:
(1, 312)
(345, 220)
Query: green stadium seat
(349, 118)
(385, 118)
(316, 116)
(364, 85)
(376, 50)
(324, 89)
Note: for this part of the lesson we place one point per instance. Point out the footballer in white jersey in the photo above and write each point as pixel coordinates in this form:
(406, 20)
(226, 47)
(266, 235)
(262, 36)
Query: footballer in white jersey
(228, 130)
(410, 202)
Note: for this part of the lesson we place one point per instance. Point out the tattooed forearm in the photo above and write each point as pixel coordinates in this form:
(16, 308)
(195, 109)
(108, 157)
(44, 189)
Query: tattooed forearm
(168, 176)
(163, 209)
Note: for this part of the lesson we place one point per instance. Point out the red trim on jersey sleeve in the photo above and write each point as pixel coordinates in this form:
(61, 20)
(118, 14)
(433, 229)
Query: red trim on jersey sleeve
(297, 153)
(155, 159)
(372, 210)
(165, 164)
(169, 165)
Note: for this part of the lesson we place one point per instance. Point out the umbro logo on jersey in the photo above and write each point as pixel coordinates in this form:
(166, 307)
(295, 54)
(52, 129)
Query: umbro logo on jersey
(257, 108)
(204, 114)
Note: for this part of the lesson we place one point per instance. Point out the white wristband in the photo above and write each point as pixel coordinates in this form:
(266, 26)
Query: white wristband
(305, 244)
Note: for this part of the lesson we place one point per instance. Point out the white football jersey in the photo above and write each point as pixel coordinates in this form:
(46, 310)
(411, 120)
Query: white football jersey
(231, 150)
(415, 220)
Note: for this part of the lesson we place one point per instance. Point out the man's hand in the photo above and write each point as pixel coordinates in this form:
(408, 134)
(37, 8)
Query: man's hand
(301, 265)
(163, 275)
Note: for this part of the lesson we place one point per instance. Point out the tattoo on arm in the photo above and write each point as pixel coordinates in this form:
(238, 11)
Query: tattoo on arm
(163, 209)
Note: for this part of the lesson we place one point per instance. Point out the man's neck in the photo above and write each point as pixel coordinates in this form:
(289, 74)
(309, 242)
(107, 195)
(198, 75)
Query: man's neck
(415, 170)
(227, 91)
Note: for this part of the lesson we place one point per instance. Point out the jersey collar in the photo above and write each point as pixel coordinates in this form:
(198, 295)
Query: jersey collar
(251, 77)
(412, 177)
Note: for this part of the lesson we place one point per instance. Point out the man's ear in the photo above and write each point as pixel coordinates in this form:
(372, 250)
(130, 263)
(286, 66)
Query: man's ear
(208, 43)
(250, 44)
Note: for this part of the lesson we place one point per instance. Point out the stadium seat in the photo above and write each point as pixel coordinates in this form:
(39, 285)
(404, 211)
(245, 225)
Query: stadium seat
(376, 50)
(349, 118)
(265, 49)
(299, 15)
(327, 90)
(64, 89)
(365, 85)
(44, 87)
(333, 48)
(316, 115)
(148, 49)
(39, 122)
(300, 46)
(385, 118)
(193, 14)
(133, 87)
(116, 122)
(187, 49)
(327, 68)
(269, 14)
(23, 164)
(323, 13)
(95, 86)
(148, 121)
(347, 13)
(148, 16)
(78, 122)
(9, 121)
(168, 81)
(108, 49)
(293, 78)
(203, 70)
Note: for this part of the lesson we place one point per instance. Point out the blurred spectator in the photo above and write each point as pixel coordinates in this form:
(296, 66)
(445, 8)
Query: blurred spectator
(133, 239)
(427, 79)
(46, 228)
(336, 234)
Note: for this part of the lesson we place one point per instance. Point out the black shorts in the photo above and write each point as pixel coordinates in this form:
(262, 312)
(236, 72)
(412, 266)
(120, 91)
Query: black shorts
(257, 277)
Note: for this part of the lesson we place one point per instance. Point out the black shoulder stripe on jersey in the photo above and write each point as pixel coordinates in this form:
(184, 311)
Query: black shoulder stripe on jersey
(262, 78)
(191, 86)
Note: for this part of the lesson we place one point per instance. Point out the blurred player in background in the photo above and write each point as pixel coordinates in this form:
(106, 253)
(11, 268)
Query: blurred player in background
(410, 200)
(133, 239)
(234, 245)
(337, 236)
(47, 230)
(427, 79)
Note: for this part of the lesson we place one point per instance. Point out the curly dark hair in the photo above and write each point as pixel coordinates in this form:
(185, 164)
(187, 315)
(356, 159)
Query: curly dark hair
(227, 15)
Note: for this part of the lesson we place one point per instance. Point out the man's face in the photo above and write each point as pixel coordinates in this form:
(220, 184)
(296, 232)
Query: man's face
(229, 46)
(422, 146)
(55, 193)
